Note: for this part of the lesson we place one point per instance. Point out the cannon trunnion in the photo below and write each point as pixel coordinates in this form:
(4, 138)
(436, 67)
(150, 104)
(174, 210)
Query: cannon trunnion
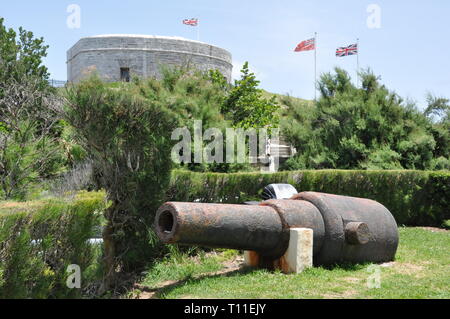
(345, 229)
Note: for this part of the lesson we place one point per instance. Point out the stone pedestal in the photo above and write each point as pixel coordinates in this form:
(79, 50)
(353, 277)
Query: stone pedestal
(297, 257)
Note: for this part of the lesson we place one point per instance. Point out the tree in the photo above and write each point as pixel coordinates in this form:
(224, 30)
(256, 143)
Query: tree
(28, 149)
(28, 125)
(21, 55)
(439, 107)
(127, 134)
(369, 128)
(245, 105)
(438, 112)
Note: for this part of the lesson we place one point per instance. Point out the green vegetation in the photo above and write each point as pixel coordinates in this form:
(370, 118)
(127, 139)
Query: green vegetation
(183, 265)
(419, 271)
(126, 129)
(21, 55)
(365, 128)
(29, 128)
(246, 105)
(127, 135)
(413, 197)
(40, 239)
(118, 137)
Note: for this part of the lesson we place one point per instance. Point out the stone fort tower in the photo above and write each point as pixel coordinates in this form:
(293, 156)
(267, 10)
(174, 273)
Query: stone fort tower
(117, 57)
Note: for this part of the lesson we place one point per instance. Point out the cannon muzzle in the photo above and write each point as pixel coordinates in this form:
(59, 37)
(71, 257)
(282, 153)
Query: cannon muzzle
(345, 229)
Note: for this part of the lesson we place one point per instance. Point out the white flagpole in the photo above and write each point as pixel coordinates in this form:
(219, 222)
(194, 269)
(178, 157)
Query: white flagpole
(315, 66)
(198, 30)
(357, 63)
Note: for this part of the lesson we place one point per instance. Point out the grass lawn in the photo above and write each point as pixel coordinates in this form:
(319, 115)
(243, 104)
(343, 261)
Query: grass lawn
(421, 270)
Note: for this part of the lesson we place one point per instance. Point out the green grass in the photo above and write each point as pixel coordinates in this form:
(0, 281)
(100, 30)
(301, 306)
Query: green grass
(182, 267)
(421, 270)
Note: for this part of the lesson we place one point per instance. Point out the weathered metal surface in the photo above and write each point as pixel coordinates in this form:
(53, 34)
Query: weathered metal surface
(257, 228)
(298, 214)
(345, 228)
(338, 212)
(357, 233)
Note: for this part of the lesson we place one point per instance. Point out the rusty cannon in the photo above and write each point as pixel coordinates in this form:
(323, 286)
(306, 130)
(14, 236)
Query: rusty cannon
(345, 229)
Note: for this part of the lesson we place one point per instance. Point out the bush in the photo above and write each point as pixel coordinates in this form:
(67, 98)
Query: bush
(367, 127)
(413, 197)
(39, 239)
(29, 129)
(126, 132)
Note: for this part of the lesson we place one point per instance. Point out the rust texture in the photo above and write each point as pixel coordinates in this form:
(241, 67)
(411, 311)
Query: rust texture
(345, 228)
(243, 227)
(379, 240)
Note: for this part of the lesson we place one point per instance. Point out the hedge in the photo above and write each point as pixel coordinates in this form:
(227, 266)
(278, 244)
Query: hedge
(39, 239)
(415, 198)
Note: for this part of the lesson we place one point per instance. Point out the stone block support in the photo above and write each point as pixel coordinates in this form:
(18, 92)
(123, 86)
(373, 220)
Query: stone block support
(297, 257)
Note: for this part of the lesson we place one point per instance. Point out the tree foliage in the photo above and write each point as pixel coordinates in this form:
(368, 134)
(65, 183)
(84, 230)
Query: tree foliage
(21, 54)
(126, 132)
(29, 149)
(28, 123)
(246, 106)
(368, 127)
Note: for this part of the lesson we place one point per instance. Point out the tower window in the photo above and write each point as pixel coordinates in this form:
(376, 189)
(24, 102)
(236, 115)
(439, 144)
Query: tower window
(125, 74)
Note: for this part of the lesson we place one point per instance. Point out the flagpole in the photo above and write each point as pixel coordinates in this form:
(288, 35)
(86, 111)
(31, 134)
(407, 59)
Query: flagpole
(198, 30)
(315, 66)
(357, 63)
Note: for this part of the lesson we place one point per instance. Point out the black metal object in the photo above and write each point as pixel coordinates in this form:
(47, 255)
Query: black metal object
(344, 228)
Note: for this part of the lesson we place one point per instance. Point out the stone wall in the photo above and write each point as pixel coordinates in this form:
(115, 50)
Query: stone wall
(143, 55)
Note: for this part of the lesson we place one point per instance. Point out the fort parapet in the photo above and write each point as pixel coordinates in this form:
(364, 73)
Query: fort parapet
(118, 57)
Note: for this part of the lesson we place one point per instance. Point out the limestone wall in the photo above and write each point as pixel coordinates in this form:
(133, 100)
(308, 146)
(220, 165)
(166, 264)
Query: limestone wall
(143, 55)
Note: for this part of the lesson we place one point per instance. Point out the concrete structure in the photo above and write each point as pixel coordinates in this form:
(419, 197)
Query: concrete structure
(298, 256)
(117, 57)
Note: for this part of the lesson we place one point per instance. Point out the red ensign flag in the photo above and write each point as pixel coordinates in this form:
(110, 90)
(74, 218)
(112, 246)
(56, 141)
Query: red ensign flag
(306, 45)
(192, 22)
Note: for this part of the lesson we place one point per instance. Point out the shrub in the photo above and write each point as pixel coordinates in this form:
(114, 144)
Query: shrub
(29, 129)
(370, 127)
(246, 105)
(126, 132)
(39, 239)
(413, 197)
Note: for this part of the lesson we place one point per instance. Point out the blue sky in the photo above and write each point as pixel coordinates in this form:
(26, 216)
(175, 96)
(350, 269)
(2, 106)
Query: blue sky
(410, 50)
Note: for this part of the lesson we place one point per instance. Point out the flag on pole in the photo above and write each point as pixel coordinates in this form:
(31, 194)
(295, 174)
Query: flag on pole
(306, 45)
(192, 22)
(346, 51)
(309, 45)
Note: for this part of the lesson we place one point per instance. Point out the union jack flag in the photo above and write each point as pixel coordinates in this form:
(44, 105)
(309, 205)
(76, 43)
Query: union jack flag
(192, 22)
(345, 51)
(306, 45)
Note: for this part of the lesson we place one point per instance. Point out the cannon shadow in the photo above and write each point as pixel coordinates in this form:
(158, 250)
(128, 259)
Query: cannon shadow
(164, 289)
(158, 292)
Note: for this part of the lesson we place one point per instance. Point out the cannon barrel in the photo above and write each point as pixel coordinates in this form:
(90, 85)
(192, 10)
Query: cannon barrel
(344, 228)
